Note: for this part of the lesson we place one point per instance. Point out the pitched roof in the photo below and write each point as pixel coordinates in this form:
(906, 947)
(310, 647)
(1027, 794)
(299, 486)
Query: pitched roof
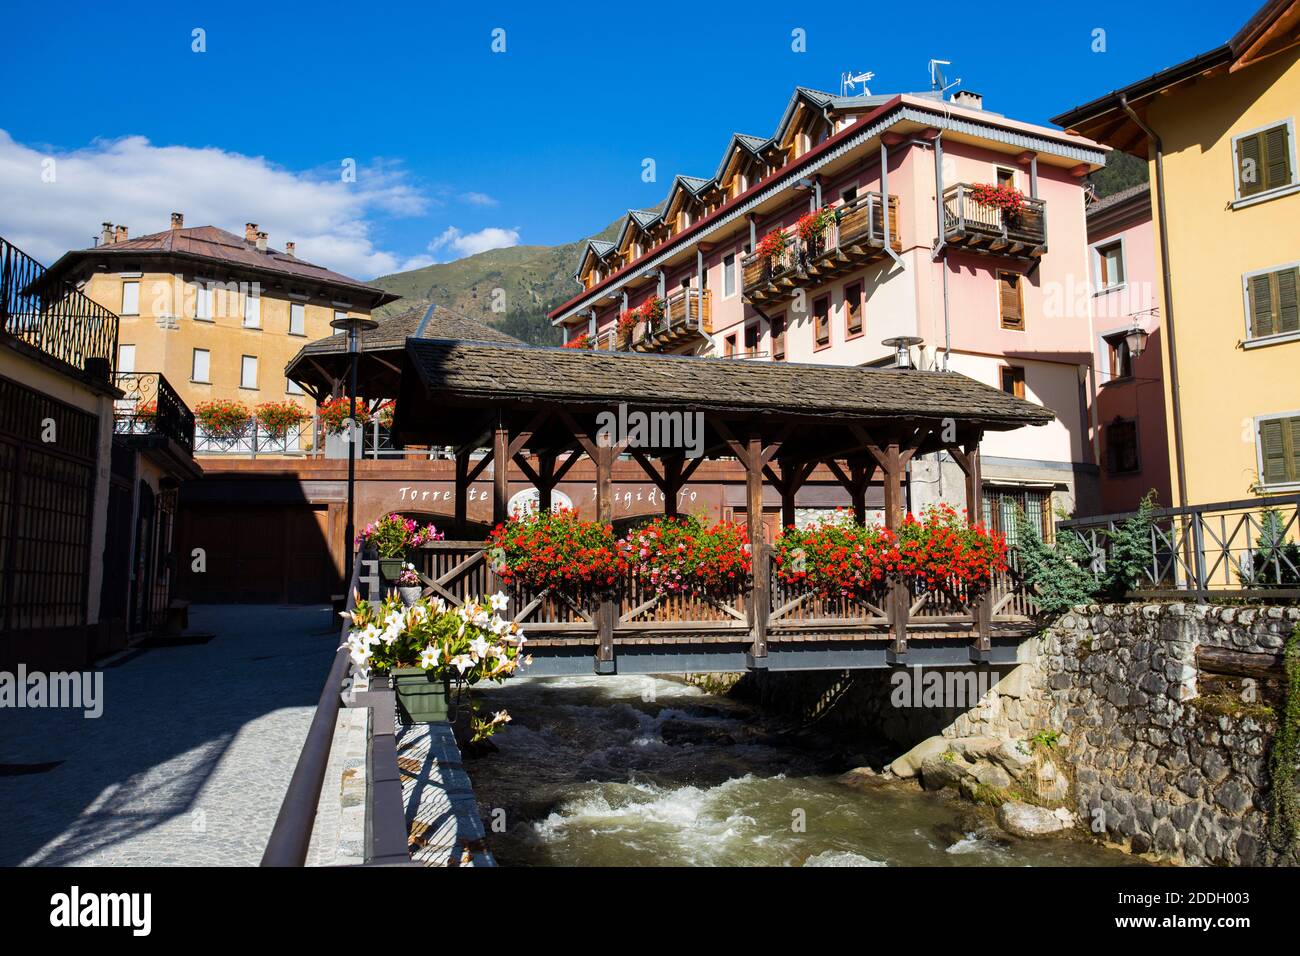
(219, 247)
(432, 322)
(754, 144)
(473, 371)
(1118, 199)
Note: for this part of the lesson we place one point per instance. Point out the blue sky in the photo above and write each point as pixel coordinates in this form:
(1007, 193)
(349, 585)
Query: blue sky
(459, 147)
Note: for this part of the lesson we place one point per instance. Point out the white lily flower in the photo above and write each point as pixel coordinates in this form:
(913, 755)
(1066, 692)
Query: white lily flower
(429, 657)
(479, 648)
(499, 601)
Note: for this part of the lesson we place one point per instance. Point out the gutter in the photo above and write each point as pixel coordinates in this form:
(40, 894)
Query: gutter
(1168, 318)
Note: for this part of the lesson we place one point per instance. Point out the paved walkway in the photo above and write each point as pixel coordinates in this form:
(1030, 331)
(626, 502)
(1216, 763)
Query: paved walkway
(189, 762)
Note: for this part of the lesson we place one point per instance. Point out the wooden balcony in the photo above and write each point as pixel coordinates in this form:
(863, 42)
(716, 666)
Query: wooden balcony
(855, 238)
(986, 229)
(687, 318)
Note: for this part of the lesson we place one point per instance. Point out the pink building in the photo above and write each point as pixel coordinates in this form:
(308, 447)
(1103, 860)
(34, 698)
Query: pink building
(999, 295)
(1129, 434)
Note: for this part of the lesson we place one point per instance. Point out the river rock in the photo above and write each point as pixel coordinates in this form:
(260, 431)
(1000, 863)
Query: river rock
(944, 770)
(909, 765)
(861, 778)
(1024, 820)
(1051, 783)
(1014, 756)
(991, 775)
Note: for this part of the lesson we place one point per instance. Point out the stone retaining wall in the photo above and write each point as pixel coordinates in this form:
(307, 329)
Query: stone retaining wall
(1156, 768)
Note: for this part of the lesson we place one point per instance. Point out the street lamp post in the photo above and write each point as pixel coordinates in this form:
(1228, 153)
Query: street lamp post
(353, 325)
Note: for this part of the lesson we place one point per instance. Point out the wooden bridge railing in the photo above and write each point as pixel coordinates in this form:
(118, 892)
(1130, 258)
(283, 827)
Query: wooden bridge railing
(459, 570)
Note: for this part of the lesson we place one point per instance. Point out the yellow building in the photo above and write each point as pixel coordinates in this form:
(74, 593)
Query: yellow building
(1220, 134)
(218, 315)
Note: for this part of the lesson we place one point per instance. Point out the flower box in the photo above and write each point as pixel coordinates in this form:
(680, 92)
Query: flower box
(422, 696)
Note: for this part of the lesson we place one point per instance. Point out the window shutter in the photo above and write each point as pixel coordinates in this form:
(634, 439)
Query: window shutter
(1261, 306)
(1273, 450)
(1277, 158)
(1013, 316)
(1288, 311)
(1295, 449)
(1249, 161)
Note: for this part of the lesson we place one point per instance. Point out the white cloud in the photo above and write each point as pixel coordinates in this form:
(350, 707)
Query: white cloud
(133, 182)
(478, 199)
(470, 243)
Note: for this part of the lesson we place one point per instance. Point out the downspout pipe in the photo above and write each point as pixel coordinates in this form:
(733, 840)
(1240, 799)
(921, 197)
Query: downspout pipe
(1167, 284)
(940, 252)
(884, 211)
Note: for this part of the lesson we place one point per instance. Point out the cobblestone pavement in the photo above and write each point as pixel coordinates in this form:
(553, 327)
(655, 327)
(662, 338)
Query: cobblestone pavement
(189, 761)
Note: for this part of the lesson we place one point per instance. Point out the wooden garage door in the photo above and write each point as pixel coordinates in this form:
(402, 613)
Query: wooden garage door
(257, 555)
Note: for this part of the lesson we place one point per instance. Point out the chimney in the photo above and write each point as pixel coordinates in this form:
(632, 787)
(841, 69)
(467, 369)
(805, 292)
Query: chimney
(968, 99)
(250, 232)
(178, 220)
(261, 242)
(288, 248)
(106, 234)
(120, 235)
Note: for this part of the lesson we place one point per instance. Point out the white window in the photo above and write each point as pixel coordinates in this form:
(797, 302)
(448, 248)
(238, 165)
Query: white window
(297, 318)
(729, 275)
(292, 387)
(339, 316)
(130, 298)
(203, 302)
(126, 358)
(1108, 264)
(248, 371)
(252, 310)
(199, 366)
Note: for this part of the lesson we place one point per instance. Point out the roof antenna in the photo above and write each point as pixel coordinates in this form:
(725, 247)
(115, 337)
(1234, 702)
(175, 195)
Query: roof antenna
(938, 82)
(848, 80)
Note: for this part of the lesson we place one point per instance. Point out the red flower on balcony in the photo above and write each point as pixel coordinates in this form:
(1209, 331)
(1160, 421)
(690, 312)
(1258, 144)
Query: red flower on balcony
(652, 309)
(627, 320)
(582, 341)
(1006, 198)
(773, 244)
(335, 412)
(813, 225)
(278, 418)
(222, 418)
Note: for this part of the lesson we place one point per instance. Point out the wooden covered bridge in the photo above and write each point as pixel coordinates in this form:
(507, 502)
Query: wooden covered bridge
(512, 410)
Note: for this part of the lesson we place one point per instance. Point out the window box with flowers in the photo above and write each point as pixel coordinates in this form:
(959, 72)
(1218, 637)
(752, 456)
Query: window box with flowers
(937, 552)
(277, 419)
(683, 555)
(222, 418)
(544, 549)
(773, 246)
(582, 341)
(428, 647)
(651, 312)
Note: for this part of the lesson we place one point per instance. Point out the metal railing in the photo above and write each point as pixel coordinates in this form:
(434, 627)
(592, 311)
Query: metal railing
(684, 310)
(1248, 548)
(386, 828)
(253, 439)
(963, 213)
(53, 316)
(150, 406)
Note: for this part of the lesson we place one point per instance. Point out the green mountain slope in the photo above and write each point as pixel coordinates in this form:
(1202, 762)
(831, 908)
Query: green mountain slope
(534, 280)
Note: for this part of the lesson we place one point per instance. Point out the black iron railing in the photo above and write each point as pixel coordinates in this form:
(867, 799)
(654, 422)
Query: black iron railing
(150, 406)
(1248, 548)
(53, 316)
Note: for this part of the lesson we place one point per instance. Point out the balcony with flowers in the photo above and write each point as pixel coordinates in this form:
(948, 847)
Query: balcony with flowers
(997, 220)
(823, 244)
(666, 324)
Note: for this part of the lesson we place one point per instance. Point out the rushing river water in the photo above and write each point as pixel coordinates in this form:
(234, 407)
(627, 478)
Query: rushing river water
(638, 771)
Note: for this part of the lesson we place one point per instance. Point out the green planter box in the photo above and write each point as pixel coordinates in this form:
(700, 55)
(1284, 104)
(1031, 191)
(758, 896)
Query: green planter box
(421, 698)
(390, 568)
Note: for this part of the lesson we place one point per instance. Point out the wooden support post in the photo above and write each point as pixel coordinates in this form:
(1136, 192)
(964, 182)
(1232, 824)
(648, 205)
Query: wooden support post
(500, 472)
(981, 636)
(546, 482)
(760, 597)
(462, 491)
(860, 475)
(607, 610)
(899, 599)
